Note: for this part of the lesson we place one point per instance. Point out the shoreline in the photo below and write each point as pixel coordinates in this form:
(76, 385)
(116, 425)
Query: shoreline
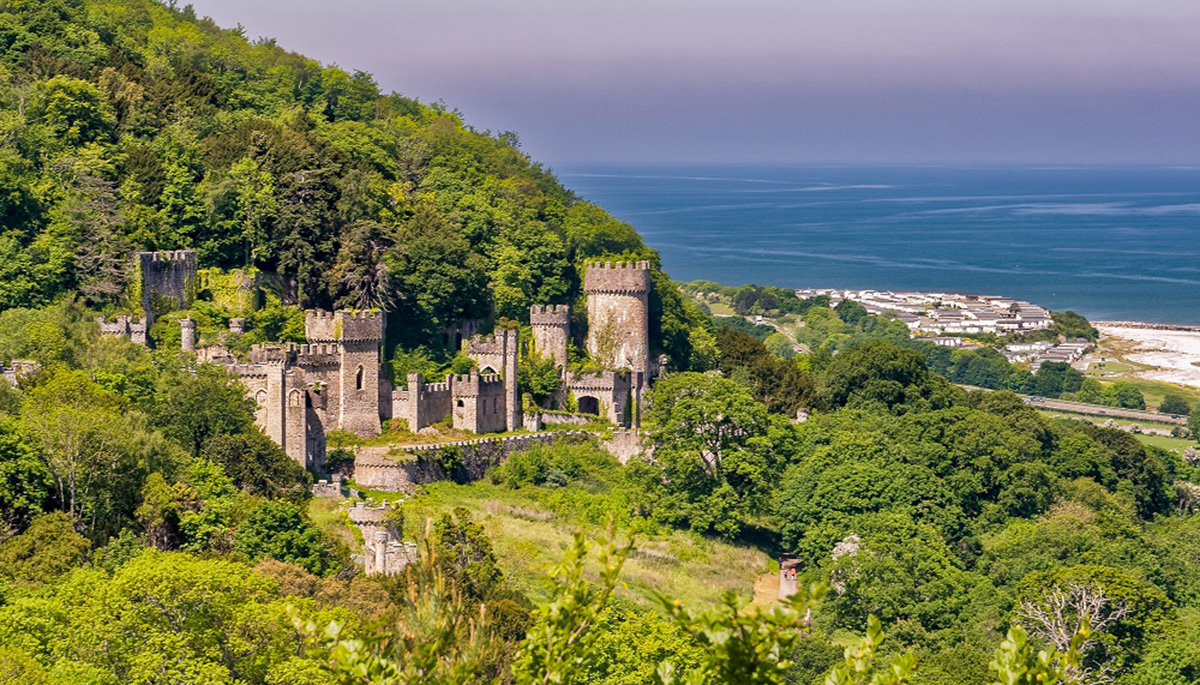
(1142, 325)
(1172, 351)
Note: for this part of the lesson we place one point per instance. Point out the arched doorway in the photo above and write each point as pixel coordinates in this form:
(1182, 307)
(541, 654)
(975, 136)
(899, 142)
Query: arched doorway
(589, 405)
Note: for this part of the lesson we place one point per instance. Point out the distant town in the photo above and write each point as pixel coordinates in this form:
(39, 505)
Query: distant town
(948, 319)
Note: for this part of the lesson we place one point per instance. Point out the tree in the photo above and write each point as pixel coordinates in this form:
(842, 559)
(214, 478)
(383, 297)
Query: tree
(360, 276)
(84, 439)
(711, 462)
(278, 529)
(194, 408)
(1175, 404)
(25, 481)
(1062, 614)
(257, 465)
(47, 550)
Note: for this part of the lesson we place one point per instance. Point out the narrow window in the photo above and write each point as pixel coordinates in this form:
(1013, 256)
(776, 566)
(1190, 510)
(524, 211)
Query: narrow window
(358, 379)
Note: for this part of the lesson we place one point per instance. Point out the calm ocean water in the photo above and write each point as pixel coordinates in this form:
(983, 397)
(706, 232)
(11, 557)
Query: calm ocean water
(1110, 243)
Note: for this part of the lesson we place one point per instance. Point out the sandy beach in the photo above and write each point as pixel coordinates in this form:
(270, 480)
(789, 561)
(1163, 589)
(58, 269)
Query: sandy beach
(1175, 354)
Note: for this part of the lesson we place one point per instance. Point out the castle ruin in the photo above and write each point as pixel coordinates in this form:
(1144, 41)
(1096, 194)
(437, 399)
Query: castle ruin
(384, 553)
(162, 282)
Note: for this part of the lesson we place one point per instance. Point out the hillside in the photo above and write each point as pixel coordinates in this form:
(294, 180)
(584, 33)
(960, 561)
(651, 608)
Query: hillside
(130, 125)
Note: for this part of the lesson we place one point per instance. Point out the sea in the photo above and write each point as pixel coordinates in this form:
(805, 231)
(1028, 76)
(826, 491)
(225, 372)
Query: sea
(1110, 242)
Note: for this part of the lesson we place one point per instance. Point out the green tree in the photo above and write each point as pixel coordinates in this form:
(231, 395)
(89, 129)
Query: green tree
(1175, 404)
(278, 529)
(49, 548)
(257, 465)
(194, 408)
(84, 439)
(712, 461)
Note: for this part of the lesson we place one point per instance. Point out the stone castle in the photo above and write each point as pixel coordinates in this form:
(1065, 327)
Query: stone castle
(335, 380)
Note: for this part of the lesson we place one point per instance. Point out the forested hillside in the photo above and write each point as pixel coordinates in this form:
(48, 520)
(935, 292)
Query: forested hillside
(152, 534)
(130, 125)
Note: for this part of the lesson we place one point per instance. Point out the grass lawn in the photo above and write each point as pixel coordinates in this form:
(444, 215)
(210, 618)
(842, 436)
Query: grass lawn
(528, 538)
(1164, 441)
(721, 309)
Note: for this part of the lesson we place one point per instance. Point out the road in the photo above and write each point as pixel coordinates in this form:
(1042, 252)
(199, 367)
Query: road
(1108, 412)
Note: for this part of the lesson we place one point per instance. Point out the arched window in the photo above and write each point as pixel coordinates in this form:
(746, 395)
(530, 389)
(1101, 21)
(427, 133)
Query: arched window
(294, 399)
(358, 378)
(261, 397)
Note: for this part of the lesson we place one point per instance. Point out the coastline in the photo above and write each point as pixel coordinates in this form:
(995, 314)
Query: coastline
(1173, 351)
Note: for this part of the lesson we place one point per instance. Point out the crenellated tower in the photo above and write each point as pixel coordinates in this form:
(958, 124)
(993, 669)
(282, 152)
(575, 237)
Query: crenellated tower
(499, 353)
(551, 326)
(618, 316)
(353, 383)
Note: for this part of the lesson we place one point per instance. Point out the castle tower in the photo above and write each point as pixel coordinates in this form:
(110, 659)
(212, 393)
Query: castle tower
(618, 316)
(166, 281)
(551, 330)
(499, 353)
(187, 332)
(355, 336)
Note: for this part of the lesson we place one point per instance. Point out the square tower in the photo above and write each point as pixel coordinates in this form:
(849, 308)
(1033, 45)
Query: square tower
(166, 281)
(618, 316)
(353, 383)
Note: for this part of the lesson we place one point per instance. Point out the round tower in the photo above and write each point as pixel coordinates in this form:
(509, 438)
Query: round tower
(619, 316)
(187, 330)
(551, 326)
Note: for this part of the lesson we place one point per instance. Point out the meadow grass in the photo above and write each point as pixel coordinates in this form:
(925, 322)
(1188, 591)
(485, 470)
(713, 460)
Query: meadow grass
(528, 538)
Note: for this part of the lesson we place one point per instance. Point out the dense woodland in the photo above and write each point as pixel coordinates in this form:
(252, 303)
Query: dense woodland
(150, 534)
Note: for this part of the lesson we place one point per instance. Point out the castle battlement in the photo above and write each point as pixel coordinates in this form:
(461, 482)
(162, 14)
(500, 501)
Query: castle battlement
(173, 256)
(344, 324)
(618, 277)
(550, 315)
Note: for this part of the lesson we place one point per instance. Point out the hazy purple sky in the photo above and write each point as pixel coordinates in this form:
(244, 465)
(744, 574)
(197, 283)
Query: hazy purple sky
(762, 80)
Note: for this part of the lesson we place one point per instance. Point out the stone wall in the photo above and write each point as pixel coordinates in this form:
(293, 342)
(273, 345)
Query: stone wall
(499, 353)
(402, 468)
(384, 553)
(610, 390)
(168, 280)
(624, 444)
(480, 403)
(423, 404)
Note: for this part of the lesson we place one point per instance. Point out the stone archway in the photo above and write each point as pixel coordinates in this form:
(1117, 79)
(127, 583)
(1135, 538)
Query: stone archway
(589, 405)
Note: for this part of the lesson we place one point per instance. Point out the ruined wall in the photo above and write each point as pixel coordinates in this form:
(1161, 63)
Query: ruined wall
(384, 553)
(124, 326)
(618, 316)
(187, 334)
(551, 327)
(423, 404)
(402, 468)
(166, 281)
(624, 444)
(611, 390)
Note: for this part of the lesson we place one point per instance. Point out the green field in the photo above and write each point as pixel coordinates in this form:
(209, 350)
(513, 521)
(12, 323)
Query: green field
(528, 537)
(1164, 441)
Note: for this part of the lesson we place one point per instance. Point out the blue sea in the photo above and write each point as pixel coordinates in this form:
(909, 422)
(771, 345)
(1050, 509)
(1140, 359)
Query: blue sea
(1110, 243)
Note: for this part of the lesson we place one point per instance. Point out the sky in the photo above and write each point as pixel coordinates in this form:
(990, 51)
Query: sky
(579, 81)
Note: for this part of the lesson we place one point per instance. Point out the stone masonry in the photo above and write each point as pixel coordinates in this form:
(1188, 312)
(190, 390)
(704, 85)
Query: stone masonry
(618, 316)
(499, 353)
(384, 553)
(551, 325)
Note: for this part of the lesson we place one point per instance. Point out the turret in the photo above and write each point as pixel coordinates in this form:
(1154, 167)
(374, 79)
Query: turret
(551, 326)
(187, 332)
